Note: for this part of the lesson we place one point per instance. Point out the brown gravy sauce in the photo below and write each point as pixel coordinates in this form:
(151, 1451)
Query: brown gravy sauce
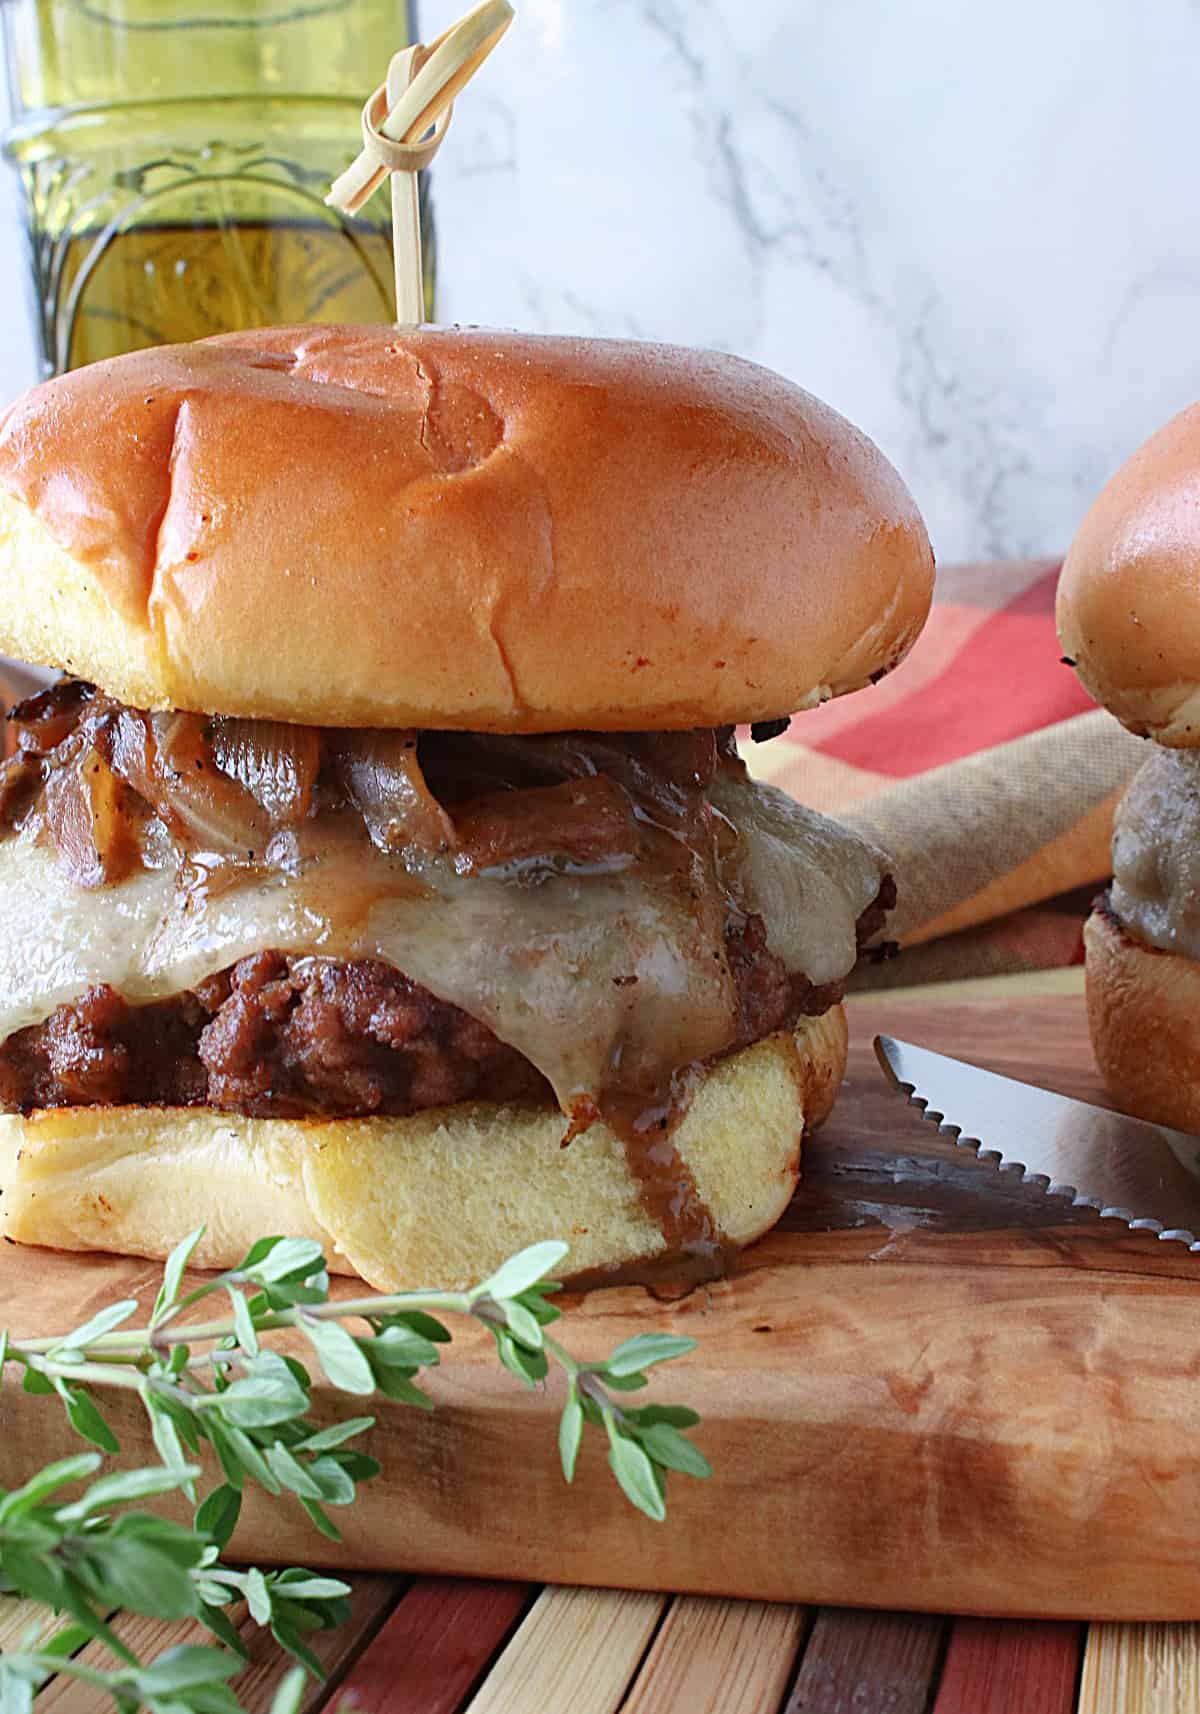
(671, 1199)
(646, 1123)
(666, 1277)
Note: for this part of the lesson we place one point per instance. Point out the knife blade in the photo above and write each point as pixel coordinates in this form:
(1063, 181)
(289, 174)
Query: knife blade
(1146, 1175)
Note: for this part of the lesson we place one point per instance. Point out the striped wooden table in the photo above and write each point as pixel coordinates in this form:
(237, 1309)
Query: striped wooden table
(437, 1646)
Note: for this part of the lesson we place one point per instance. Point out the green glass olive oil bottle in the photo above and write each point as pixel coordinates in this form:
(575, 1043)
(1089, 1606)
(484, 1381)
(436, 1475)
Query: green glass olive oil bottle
(174, 156)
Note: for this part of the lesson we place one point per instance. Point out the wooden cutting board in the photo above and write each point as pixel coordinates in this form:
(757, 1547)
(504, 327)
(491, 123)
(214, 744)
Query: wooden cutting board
(926, 1389)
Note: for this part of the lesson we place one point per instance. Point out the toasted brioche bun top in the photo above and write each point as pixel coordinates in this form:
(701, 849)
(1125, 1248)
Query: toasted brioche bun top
(1129, 595)
(354, 526)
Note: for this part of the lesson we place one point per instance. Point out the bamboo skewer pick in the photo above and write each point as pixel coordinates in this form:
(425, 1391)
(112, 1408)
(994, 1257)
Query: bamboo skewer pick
(406, 207)
(403, 124)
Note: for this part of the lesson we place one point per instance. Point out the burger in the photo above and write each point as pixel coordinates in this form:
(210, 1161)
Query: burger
(383, 867)
(1129, 622)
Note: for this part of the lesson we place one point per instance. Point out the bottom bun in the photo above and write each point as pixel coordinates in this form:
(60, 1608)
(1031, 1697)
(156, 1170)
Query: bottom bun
(438, 1199)
(1144, 1013)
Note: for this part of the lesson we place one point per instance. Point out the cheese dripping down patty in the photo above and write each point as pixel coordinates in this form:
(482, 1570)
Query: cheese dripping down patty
(1156, 852)
(607, 972)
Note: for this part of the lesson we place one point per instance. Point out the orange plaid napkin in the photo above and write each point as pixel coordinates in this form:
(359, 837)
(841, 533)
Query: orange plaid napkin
(982, 766)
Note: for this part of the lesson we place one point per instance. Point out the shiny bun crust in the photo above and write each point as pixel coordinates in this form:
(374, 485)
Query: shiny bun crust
(1144, 1013)
(439, 1199)
(1129, 594)
(354, 526)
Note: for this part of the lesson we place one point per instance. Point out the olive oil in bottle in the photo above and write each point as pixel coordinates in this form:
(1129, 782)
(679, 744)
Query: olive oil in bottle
(175, 155)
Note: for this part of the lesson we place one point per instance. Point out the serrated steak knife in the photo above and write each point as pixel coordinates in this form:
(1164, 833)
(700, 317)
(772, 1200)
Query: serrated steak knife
(1146, 1175)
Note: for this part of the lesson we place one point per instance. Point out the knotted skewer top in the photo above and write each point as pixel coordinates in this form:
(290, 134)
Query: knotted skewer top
(404, 122)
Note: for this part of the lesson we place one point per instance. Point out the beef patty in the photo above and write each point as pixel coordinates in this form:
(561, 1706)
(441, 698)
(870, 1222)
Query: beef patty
(281, 1036)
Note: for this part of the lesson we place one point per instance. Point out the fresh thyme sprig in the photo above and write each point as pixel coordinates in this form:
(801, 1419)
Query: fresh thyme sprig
(88, 1556)
(217, 1382)
(189, 1679)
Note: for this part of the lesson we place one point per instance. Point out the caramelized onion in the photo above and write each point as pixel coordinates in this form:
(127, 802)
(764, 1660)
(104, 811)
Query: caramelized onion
(131, 751)
(662, 771)
(589, 822)
(92, 832)
(277, 764)
(46, 720)
(383, 778)
(192, 793)
(21, 778)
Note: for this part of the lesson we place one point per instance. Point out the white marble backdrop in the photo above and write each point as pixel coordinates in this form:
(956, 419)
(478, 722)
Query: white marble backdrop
(971, 227)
